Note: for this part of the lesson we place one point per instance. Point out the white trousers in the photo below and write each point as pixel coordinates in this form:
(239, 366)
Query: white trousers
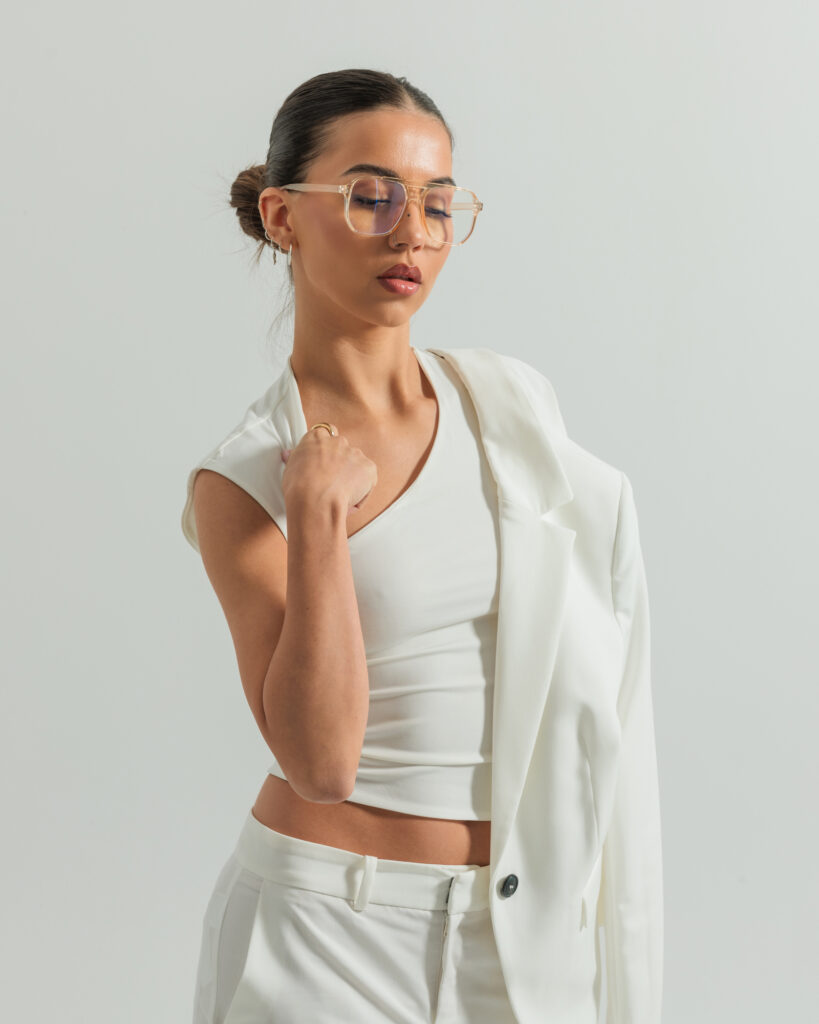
(297, 931)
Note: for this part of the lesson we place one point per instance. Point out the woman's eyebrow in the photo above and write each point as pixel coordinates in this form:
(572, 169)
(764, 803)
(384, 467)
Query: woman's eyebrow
(377, 169)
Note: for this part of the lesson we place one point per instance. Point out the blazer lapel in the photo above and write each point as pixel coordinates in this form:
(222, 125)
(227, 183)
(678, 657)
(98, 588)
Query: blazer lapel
(534, 568)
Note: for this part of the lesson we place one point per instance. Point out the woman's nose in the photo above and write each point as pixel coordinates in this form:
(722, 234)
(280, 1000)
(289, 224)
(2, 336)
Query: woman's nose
(410, 228)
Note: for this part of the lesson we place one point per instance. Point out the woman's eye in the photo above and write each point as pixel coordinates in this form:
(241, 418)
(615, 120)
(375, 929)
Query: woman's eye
(364, 201)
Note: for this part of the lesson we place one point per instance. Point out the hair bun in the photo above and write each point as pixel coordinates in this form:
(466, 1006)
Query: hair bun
(244, 198)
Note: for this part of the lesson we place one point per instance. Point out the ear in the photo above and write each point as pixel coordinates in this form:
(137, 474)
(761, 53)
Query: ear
(276, 216)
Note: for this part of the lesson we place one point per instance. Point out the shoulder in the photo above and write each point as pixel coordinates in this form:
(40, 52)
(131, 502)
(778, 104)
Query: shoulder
(581, 464)
(540, 391)
(544, 397)
(249, 455)
(603, 492)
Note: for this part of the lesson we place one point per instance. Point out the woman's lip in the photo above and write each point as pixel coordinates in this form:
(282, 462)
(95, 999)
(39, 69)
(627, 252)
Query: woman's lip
(399, 285)
(403, 270)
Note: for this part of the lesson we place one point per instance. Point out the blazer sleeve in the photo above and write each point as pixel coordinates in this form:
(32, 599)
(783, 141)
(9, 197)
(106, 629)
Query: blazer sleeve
(632, 876)
(251, 458)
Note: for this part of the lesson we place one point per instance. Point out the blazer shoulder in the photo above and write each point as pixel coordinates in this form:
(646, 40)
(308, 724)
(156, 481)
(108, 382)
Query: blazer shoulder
(250, 455)
(541, 393)
(590, 474)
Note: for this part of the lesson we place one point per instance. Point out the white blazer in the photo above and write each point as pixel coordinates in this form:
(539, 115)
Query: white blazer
(576, 838)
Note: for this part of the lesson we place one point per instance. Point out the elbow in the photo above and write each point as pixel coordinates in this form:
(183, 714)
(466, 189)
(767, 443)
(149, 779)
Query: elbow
(325, 787)
(329, 796)
(333, 786)
(319, 780)
(318, 785)
(325, 791)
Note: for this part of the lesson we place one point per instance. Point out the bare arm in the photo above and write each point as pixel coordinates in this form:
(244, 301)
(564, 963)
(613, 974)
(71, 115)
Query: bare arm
(316, 693)
(293, 616)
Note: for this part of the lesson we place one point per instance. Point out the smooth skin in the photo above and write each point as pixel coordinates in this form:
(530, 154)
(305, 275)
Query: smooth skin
(291, 605)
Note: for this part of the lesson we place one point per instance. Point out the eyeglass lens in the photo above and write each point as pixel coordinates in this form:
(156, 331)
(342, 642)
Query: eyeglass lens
(376, 204)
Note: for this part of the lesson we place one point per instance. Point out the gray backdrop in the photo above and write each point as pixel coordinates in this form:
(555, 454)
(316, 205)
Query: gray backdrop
(649, 242)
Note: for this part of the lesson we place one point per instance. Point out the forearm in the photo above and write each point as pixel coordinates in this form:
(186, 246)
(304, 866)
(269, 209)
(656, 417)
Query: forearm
(316, 691)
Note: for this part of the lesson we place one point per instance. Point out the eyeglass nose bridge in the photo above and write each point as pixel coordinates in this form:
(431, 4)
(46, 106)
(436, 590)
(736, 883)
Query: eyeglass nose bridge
(417, 197)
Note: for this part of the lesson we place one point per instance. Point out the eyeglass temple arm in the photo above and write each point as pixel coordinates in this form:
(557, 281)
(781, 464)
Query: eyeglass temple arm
(299, 187)
(477, 206)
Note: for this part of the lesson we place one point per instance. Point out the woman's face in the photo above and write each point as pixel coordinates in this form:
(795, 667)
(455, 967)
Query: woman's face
(336, 270)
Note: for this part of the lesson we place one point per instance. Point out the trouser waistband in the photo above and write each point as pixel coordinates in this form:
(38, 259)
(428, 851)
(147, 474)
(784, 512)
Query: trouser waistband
(360, 878)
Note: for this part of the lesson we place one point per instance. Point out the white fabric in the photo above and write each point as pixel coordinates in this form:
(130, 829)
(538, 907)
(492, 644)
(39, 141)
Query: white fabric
(575, 785)
(297, 931)
(425, 573)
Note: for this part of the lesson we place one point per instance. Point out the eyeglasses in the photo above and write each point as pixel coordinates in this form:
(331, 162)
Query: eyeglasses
(373, 205)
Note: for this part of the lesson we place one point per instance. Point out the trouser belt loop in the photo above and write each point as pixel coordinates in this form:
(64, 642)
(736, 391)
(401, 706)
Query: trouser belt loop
(449, 892)
(365, 882)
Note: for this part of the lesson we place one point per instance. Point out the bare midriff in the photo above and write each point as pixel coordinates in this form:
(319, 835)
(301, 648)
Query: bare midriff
(388, 835)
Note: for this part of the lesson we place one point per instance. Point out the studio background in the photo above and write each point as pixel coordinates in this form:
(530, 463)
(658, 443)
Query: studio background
(649, 242)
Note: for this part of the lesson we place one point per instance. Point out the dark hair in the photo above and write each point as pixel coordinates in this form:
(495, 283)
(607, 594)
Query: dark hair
(302, 127)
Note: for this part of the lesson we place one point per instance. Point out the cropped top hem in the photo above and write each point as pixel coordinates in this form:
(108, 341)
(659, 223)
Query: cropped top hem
(402, 805)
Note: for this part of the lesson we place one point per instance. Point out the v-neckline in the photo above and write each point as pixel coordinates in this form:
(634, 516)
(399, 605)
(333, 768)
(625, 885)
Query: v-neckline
(402, 497)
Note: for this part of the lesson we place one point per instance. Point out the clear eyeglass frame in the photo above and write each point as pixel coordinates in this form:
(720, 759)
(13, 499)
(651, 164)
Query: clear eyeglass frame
(476, 205)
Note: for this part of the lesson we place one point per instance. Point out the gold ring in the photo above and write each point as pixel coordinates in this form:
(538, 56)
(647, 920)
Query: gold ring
(328, 426)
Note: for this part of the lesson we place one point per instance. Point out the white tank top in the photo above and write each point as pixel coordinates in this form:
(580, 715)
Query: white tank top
(425, 573)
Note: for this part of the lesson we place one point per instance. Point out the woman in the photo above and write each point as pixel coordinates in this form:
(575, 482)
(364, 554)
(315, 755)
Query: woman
(406, 581)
